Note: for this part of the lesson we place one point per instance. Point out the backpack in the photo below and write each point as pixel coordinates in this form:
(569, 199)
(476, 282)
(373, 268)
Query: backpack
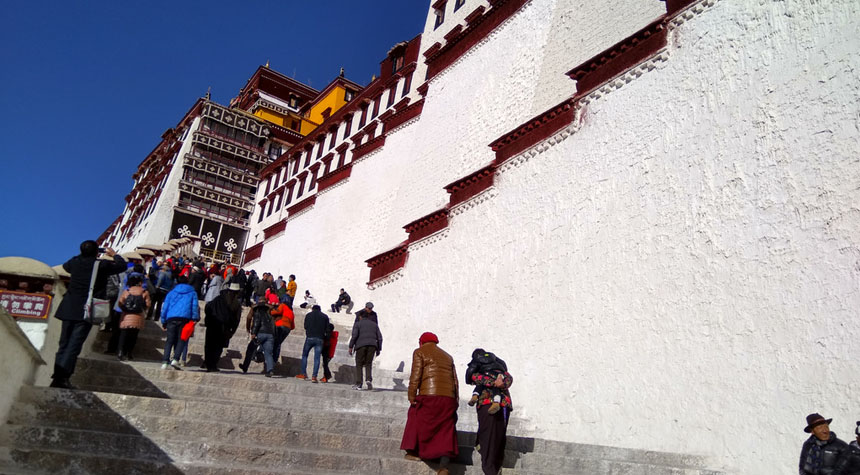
(134, 304)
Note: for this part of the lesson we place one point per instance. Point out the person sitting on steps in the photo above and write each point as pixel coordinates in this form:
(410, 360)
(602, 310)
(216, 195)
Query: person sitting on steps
(343, 300)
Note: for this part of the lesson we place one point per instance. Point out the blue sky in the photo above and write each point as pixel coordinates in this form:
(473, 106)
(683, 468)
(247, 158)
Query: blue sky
(87, 89)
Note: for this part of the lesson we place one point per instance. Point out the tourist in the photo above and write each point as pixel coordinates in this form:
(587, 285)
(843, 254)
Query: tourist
(493, 416)
(223, 315)
(822, 449)
(113, 290)
(180, 307)
(329, 345)
(71, 310)
(316, 325)
(260, 307)
(262, 286)
(250, 285)
(343, 300)
(849, 463)
(284, 324)
(366, 342)
(291, 291)
(310, 301)
(213, 287)
(196, 280)
(263, 331)
(133, 303)
(281, 291)
(490, 367)
(164, 283)
(367, 312)
(433, 393)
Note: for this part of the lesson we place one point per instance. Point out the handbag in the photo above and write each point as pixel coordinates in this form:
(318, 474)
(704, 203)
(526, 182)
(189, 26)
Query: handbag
(96, 311)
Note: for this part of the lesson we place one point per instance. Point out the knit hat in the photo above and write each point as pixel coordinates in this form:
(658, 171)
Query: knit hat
(857, 430)
(815, 419)
(428, 337)
(273, 299)
(369, 305)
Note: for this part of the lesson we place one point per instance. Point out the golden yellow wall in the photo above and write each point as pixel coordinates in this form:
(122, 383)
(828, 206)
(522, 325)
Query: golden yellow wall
(333, 99)
(272, 117)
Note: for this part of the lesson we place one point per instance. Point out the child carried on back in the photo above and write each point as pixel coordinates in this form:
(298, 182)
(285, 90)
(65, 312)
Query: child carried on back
(491, 366)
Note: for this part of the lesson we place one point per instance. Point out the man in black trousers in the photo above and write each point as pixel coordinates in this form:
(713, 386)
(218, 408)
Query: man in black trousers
(71, 310)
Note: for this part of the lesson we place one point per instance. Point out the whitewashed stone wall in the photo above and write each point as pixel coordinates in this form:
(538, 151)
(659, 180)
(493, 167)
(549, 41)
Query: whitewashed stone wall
(680, 274)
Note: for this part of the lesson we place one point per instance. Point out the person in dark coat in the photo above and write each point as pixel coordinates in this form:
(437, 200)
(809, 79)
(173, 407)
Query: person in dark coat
(343, 300)
(316, 327)
(849, 463)
(493, 415)
(196, 280)
(367, 312)
(822, 450)
(223, 315)
(71, 309)
(366, 342)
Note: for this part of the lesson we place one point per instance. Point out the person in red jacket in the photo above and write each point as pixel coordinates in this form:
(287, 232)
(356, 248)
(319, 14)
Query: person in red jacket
(329, 345)
(284, 323)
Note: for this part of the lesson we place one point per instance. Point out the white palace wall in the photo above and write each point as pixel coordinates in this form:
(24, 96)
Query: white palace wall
(678, 271)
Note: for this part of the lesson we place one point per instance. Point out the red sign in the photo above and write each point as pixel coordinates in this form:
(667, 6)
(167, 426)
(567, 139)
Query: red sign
(22, 304)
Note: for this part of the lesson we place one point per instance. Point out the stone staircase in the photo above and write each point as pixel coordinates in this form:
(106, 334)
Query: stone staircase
(135, 418)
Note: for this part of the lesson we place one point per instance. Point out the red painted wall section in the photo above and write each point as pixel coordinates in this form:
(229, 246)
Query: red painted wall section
(253, 252)
(475, 31)
(619, 58)
(534, 131)
(334, 177)
(427, 225)
(274, 229)
(467, 187)
(367, 147)
(383, 264)
(674, 6)
(402, 116)
(305, 204)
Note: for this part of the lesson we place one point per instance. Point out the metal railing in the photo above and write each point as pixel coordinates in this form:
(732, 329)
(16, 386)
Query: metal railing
(223, 257)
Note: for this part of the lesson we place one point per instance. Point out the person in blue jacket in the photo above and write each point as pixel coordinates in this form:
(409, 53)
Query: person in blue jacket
(180, 307)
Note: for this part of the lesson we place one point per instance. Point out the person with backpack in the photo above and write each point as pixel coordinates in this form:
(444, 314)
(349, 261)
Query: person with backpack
(180, 307)
(262, 331)
(133, 303)
(71, 309)
(164, 284)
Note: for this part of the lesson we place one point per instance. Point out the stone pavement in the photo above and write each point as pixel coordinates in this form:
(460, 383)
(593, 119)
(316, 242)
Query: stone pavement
(135, 418)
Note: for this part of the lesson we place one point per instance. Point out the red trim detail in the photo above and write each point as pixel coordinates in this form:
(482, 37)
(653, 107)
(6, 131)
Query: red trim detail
(619, 58)
(453, 33)
(476, 13)
(472, 35)
(533, 131)
(342, 147)
(301, 205)
(427, 225)
(674, 6)
(254, 252)
(385, 115)
(370, 128)
(367, 147)
(403, 103)
(422, 89)
(469, 186)
(274, 229)
(438, 4)
(403, 116)
(433, 49)
(334, 177)
(389, 261)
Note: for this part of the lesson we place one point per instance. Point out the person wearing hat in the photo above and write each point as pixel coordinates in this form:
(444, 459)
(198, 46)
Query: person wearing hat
(434, 397)
(223, 315)
(822, 450)
(367, 312)
(849, 463)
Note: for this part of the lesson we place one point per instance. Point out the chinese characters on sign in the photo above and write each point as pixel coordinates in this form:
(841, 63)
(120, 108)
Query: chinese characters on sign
(20, 304)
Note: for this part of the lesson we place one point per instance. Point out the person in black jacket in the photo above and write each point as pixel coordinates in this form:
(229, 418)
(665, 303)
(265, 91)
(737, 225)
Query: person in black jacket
(262, 331)
(849, 463)
(316, 327)
(367, 312)
(71, 309)
(223, 315)
(366, 342)
(343, 300)
(822, 450)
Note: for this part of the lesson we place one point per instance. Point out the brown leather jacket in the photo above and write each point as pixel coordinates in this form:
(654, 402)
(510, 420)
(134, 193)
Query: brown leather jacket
(433, 373)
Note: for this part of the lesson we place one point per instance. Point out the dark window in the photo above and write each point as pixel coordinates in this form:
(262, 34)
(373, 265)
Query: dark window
(347, 129)
(348, 95)
(407, 84)
(262, 211)
(363, 116)
(440, 16)
(391, 95)
(458, 4)
(294, 102)
(376, 106)
(396, 64)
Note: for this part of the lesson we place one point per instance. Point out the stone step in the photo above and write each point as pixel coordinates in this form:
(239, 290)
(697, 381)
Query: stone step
(274, 455)
(343, 375)
(66, 408)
